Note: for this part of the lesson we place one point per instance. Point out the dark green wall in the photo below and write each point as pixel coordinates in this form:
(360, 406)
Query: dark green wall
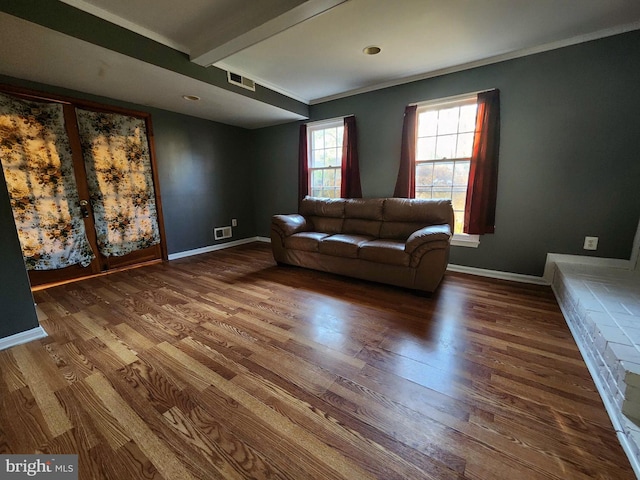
(17, 311)
(275, 154)
(568, 156)
(205, 179)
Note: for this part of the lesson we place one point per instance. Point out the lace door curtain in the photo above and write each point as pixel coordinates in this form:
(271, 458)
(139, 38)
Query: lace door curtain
(38, 169)
(119, 175)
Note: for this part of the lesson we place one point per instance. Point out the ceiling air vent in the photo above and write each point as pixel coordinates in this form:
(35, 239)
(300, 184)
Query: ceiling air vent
(241, 81)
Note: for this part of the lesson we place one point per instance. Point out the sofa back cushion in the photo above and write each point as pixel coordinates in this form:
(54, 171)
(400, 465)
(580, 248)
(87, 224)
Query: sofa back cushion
(364, 208)
(387, 218)
(419, 210)
(404, 216)
(325, 214)
(399, 230)
(322, 207)
(363, 216)
(358, 226)
(327, 224)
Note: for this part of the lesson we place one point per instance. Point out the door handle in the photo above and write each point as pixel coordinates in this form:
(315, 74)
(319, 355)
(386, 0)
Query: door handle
(83, 208)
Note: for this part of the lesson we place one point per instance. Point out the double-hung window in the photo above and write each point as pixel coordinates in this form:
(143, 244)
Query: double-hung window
(324, 143)
(444, 145)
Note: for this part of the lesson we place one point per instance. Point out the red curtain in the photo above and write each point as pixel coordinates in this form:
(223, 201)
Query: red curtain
(406, 182)
(480, 211)
(303, 164)
(350, 182)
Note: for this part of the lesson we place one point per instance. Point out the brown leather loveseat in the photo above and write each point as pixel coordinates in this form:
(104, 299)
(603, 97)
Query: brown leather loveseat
(403, 242)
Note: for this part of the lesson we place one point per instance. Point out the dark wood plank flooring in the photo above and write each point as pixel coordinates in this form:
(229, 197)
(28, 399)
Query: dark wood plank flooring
(226, 366)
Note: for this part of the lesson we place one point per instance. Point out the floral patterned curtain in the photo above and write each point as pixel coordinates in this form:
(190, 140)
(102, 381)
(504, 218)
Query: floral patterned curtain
(38, 168)
(116, 156)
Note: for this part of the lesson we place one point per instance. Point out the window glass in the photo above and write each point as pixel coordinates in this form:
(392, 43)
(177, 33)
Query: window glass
(324, 141)
(443, 150)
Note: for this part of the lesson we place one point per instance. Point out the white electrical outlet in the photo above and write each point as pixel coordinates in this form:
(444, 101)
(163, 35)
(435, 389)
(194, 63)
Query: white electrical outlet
(234, 222)
(590, 243)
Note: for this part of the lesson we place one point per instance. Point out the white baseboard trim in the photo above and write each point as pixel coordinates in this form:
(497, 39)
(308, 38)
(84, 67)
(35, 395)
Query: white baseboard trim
(482, 272)
(553, 258)
(213, 248)
(22, 337)
(264, 239)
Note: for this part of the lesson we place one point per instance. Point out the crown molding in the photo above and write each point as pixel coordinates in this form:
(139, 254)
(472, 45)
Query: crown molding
(609, 32)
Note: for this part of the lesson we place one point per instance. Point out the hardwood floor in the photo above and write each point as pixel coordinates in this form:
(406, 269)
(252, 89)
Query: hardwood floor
(226, 366)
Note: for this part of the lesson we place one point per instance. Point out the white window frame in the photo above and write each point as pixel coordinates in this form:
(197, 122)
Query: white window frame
(314, 127)
(458, 239)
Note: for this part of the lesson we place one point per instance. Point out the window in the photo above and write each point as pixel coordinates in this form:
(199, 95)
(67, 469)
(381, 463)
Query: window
(444, 145)
(324, 142)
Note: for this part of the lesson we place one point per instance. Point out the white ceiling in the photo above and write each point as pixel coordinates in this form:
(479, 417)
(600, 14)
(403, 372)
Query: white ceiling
(323, 57)
(39, 54)
(310, 50)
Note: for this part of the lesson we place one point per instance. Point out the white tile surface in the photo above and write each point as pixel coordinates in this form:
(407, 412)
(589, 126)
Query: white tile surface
(602, 306)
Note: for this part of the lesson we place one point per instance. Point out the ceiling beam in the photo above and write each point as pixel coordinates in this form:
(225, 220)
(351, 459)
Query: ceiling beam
(71, 21)
(243, 36)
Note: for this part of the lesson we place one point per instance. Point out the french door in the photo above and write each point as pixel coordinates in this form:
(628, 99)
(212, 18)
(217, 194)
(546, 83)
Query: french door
(82, 183)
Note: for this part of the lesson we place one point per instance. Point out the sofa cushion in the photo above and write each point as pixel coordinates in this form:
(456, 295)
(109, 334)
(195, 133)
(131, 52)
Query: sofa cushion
(404, 216)
(424, 211)
(322, 207)
(358, 226)
(343, 245)
(399, 230)
(327, 224)
(368, 209)
(363, 216)
(307, 241)
(385, 251)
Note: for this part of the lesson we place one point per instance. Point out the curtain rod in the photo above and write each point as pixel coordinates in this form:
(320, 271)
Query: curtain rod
(451, 98)
(327, 120)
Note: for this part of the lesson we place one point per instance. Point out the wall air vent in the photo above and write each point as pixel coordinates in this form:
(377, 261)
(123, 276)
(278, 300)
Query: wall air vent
(222, 232)
(241, 81)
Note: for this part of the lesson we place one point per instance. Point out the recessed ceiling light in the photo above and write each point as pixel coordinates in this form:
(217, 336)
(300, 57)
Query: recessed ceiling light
(193, 98)
(371, 50)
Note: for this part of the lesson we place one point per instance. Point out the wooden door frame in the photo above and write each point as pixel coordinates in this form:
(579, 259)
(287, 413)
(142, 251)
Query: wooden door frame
(70, 102)
(152, 154)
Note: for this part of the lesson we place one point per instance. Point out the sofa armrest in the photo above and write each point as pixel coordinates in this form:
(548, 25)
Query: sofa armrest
(432, 233)
(287, 225)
